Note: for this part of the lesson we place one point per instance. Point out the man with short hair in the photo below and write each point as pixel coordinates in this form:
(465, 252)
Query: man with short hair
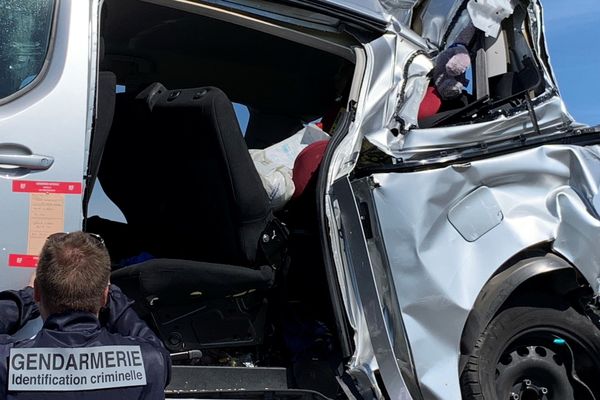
(92, 344)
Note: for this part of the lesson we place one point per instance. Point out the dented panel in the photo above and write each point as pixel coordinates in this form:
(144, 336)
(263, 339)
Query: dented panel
(439, 23)
(547, 194)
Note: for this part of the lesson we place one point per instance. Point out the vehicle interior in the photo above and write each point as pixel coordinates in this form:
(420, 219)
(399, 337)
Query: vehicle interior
(504, 74)
(505, 78)
(211, 265)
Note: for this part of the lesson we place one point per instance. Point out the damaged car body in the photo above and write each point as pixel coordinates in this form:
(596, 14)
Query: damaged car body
(433, 255)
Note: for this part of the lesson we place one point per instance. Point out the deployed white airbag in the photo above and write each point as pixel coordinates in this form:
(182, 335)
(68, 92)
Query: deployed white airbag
(487, 15)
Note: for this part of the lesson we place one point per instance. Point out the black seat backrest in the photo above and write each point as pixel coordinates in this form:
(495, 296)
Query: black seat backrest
(177, 166)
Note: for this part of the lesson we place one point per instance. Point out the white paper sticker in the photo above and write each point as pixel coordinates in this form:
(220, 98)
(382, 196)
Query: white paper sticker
(65, 369)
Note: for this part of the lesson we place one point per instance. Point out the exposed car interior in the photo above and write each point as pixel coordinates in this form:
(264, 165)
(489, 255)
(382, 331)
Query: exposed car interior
(504, 73)
(504, 79)
(211, 265)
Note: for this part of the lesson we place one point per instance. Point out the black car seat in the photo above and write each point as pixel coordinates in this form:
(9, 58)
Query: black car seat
(177, 166)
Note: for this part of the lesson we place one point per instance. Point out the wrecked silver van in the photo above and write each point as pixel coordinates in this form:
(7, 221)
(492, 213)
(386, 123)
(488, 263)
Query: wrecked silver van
(441, 254)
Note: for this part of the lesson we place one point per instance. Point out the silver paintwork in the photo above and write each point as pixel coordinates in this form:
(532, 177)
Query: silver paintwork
(368, 295)
(547, 194)
(372, 111)
(437, 262)
(50, 119)
(371, 8)
(543, 195)
(549, 107)
(549, 113)
(53, 119)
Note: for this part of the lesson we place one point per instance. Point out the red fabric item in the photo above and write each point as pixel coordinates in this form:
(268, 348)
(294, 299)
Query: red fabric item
(431, 104)
(306, 165)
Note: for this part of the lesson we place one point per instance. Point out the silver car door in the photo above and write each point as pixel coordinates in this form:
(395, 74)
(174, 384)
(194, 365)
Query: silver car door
(44, 121)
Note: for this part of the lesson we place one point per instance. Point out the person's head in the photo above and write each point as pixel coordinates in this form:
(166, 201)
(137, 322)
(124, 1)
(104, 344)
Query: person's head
(72, 274)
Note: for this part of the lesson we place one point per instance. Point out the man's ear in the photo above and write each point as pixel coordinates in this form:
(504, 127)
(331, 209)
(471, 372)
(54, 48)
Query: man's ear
(104, 297)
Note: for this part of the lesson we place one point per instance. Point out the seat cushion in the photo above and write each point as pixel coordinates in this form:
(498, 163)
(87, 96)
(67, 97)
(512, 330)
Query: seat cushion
(173, 281)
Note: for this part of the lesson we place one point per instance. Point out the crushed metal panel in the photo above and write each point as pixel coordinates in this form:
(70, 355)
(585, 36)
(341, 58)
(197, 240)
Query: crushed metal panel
(438, 22)
(546, 194)
(363, 359)
(368, 292)
(375, 106)
(369, 8)
(401, 10)
(432, 18)
(490, 130)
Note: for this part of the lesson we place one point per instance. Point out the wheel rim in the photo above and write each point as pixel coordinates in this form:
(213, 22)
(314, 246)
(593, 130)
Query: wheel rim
(545, 364)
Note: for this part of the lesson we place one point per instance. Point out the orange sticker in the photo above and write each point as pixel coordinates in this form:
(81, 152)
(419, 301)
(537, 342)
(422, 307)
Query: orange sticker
(46, 216)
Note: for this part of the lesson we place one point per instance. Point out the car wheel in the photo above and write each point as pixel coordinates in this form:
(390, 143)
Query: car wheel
(530, 353)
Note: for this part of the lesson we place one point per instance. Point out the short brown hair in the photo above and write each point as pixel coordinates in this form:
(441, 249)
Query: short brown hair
(72, 273)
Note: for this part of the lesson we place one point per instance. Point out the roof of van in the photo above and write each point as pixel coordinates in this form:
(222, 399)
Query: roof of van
(371, 8)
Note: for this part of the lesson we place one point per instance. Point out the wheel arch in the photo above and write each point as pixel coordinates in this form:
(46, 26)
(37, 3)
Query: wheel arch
(510, 283)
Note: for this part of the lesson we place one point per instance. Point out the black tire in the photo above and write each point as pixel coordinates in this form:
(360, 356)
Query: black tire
(529, 350)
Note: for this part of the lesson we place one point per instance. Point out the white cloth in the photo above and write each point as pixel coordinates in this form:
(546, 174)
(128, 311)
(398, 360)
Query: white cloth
(487, 15)
(275, 164)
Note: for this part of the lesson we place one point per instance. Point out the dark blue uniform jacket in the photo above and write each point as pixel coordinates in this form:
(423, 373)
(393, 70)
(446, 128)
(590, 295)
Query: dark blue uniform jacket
(120, 326)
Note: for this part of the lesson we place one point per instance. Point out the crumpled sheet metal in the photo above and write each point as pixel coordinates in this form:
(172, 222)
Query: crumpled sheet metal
(414, 87)
(546, 194)
(437, 16)
(388, 91)
(363, 358)
(548, 115)
(535, 13)
(400, 10)
(536, 22)
(376, 105)
(434, 18)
